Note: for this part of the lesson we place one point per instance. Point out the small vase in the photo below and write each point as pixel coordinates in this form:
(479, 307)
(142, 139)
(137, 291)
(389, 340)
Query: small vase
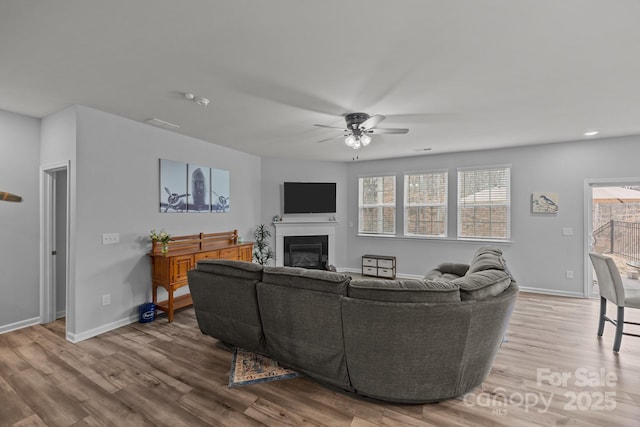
(165, 248)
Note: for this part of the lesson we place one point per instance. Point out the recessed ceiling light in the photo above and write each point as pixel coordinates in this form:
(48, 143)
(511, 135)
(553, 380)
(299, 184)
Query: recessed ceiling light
(591, 133)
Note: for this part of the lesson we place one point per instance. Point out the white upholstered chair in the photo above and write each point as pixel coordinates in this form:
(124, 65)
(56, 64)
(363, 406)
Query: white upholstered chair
(611, 289)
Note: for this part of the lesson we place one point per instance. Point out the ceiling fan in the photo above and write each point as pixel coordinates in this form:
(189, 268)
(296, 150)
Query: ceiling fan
(359, 127)
(8, 197)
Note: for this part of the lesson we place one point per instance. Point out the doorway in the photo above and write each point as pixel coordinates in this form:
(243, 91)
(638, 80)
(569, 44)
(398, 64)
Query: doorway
(612, 220)
(55, 245)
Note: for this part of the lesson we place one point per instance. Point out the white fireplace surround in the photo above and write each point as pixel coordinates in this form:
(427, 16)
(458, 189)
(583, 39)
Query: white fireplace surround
(322, 228)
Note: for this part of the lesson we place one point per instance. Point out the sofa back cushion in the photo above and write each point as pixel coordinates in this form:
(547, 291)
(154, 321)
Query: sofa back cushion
(482, 284)
(313, 280)
(302, 322)
(404, 290)
(486, 258)
(225, 267)
(226, 307)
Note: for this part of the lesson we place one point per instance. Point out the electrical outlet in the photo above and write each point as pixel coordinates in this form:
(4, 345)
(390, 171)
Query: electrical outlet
(106, 299)
(569, 274)
(110, 238)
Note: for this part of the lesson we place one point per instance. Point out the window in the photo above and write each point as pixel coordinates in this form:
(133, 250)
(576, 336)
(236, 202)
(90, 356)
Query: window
(425, 204)
(484, 203)
(377, 205)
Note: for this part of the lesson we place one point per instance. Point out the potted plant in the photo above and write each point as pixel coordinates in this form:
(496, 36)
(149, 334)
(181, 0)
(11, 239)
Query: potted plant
(262, 252)
(162, 237)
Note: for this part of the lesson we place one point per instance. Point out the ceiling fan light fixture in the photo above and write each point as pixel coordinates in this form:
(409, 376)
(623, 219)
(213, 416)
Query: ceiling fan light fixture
(350, 140)
(356, 145)
(365, 140)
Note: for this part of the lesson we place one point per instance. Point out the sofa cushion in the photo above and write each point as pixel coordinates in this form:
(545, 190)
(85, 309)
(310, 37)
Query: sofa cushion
(447, 271)
(482, 284)
(404, 290)
(486, 258)
(315, 280)
(225, 267)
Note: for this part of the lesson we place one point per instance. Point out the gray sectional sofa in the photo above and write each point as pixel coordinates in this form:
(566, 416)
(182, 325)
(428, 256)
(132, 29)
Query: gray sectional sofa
(410, 341)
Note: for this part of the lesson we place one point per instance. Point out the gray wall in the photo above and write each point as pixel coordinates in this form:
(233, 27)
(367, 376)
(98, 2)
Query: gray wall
(58, 138)
(538, 253)
(114, 188)
(19, 225)
(277, 171)
(118, 192)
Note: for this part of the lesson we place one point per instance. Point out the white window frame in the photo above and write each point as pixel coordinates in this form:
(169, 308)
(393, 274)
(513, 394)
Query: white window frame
(490, 202)
(381, 205)
(444, 204)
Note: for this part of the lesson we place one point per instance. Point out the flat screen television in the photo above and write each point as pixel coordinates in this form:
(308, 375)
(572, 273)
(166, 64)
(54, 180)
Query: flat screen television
(309, 197)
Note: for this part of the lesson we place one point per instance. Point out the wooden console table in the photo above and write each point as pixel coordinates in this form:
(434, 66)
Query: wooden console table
(169, 270)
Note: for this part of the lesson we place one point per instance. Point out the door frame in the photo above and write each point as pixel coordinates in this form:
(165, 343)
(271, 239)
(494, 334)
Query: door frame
(47, 242)
(588, 221)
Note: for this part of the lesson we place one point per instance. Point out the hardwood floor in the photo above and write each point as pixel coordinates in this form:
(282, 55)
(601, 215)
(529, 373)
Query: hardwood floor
(553, 370)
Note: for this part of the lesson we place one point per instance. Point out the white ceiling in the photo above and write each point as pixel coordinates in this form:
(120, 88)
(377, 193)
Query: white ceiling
(462, 75)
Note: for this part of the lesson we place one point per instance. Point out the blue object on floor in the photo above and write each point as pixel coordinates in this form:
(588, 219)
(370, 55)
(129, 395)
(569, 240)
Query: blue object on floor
(147, 312)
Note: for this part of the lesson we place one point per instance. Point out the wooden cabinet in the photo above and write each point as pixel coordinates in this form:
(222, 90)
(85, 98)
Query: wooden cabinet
(379, 266)
(169, 270)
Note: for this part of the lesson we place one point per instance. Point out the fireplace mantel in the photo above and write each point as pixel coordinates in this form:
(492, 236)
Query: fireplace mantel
(305, 228)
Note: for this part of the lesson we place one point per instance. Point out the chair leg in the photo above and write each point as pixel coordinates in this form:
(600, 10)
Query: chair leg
(603, 313)
(619, 327)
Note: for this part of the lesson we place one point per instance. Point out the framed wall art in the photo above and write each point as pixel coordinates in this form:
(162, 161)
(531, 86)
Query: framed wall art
(173, 186)
(193, 188)
(546, 203)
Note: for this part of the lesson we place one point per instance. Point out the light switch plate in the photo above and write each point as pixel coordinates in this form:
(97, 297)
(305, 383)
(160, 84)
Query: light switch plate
(110, 238)
(567, 231)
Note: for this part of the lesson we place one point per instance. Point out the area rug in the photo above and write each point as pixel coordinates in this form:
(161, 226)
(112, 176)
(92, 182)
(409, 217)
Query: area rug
(250, 368)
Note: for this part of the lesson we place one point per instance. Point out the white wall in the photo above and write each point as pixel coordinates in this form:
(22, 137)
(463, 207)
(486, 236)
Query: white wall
(276, 171)
(538, 254)
(19, 225)
(118, 192)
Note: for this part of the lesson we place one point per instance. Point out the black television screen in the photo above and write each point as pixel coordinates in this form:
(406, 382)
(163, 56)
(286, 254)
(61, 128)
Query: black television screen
(309, 197)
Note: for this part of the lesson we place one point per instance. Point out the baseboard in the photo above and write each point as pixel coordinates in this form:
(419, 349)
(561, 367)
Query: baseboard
(19, 325)
(75, 338)
(551, 292)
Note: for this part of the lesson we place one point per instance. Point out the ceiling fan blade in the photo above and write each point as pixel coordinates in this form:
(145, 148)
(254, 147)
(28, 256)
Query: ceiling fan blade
(331, 127)
(8, 197)
(424, 117)
(330, 139)
(372, 121)
(388, 130)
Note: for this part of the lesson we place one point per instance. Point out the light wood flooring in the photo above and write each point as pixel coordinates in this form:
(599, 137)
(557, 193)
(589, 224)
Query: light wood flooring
(172, 375)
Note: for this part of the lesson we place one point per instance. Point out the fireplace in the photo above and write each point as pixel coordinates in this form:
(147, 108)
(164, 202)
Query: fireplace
(306, 251)
(300, 228)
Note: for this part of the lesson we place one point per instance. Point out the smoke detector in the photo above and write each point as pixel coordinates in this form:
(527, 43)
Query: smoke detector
(201, 101)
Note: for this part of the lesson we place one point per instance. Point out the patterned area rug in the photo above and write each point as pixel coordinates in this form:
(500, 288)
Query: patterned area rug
(250, 368)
